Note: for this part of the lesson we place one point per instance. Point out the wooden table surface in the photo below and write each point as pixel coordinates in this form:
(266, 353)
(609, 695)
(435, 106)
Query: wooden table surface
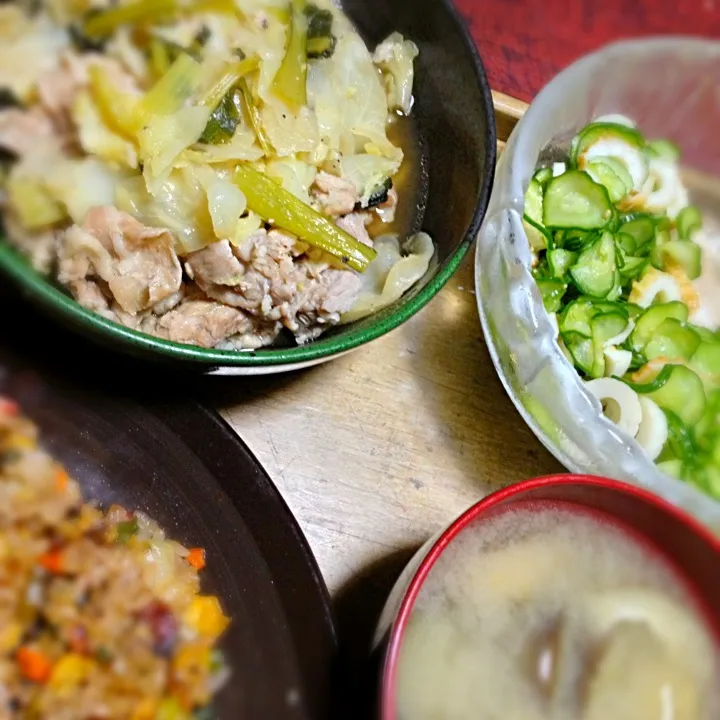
(376, 450)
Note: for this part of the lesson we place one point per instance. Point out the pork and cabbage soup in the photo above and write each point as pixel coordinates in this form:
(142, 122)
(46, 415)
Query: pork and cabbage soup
(210, 172)
(546, 613)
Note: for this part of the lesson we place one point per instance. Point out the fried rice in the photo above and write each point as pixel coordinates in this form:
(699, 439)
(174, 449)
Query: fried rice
(101, 615)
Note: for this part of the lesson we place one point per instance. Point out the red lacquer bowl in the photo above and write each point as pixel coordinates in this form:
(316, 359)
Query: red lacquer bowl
(685, 544)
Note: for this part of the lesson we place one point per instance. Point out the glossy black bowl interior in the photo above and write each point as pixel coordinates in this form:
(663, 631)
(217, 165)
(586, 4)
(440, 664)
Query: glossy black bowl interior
(453, 111)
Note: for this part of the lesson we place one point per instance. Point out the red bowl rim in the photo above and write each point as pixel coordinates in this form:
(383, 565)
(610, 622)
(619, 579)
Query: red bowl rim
(389, 672)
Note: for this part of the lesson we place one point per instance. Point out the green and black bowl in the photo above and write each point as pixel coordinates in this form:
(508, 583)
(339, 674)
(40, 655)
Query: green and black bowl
(454, 122)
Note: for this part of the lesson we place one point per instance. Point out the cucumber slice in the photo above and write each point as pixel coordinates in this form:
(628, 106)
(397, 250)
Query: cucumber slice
(706, 361)
(537, 238)
(678, 389)
(574, 200)
(603, 174)
(707, 431)
(650, 320)
(680, 441)
(684, 253)
(664, 149)
(532, 217)
(606, 325)
(534, 202)
(612, 307)
(633, 268)
(626, 242)
(683, 394)
(560, 261)
(620, 169)
(543, 175)
(652, 385)
(603, 327)
(552, 292)
(641, 228)
(634, 311)
(577, 240)
(577, 316)
(580, 349)
(594, 132)
(594, 271)
(688, 222)
(600, 140)
(616, 290)
(672, 339)
(707, 336)
(671, 467)
(662, 237)
(710, 479)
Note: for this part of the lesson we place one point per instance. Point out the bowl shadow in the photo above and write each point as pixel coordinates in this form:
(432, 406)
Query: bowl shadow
(358, 606)
(463, 389)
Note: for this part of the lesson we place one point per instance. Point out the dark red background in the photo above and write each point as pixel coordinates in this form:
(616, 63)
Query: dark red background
(525, 42)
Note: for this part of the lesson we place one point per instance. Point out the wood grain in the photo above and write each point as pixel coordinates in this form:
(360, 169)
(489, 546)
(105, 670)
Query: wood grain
(375, 451)
(508, 110)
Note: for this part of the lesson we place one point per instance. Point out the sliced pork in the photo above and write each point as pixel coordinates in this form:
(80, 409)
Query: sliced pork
(265, 279)
(21, 131)
(356, 224)
(138, 264)
(335, 195)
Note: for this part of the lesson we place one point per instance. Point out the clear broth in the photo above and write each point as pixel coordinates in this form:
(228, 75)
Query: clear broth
(410, 183)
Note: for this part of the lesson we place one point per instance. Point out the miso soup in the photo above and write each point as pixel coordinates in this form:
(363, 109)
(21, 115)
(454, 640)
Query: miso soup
(548, 613)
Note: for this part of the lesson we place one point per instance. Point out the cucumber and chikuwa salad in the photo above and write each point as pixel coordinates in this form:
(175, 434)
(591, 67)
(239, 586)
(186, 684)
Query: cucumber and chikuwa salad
(618, 256)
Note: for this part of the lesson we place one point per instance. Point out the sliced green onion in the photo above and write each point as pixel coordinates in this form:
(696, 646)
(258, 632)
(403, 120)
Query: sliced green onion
(159, 57)
(253, 117)
(148, 12)
(142, 11)
(228, 80)
(126, 529)
(290, 83)
(281, 208)
(173, 89)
